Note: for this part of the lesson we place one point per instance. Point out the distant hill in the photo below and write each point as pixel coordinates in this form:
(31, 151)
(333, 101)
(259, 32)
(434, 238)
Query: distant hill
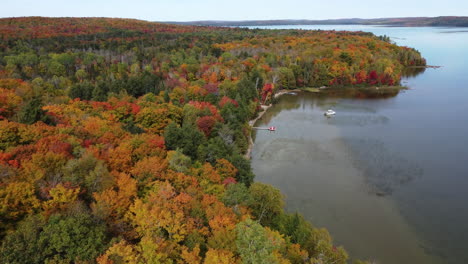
(443, 21)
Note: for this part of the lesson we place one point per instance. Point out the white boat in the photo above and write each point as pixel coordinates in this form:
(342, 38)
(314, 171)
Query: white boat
(329, 112)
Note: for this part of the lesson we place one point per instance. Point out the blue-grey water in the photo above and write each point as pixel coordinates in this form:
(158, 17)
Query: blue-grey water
(388, 177)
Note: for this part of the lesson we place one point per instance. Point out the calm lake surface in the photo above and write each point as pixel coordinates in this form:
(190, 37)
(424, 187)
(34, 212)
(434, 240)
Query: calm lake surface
(388, 177)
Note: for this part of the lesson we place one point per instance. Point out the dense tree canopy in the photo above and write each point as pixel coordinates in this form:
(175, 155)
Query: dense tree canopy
(124, 140)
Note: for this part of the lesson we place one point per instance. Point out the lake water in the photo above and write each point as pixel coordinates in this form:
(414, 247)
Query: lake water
(388, 177)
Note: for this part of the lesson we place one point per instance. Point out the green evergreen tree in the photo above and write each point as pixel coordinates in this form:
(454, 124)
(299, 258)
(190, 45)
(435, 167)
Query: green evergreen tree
(31, 112)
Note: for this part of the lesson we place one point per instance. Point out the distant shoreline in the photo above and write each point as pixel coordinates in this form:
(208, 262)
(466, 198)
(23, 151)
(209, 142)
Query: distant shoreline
(443, 21)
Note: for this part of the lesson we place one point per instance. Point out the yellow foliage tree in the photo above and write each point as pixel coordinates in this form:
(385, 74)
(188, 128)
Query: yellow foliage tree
(191, 256)
(112, 204)
(160, 211)
(61, 198)
(216, 256)
(121, 250)
(16, 200)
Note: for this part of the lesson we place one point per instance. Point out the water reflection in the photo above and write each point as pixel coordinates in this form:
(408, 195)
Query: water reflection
(287, 104)
(412, 72)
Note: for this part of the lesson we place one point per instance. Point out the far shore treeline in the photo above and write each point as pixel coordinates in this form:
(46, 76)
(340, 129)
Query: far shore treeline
(441, 21)
(123, 141)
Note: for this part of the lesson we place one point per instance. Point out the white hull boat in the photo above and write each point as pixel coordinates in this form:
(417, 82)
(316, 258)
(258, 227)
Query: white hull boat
(329, 112)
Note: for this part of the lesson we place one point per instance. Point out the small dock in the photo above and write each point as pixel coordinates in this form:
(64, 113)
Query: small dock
(425, 67)
(272, 128)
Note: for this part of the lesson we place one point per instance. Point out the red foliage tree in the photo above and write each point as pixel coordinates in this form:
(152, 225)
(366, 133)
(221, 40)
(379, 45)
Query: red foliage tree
(226, 100)
(206, 124)
(267, 90)
(373, 78)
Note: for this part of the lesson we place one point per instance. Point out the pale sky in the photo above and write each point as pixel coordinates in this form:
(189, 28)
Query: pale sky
(189, 10)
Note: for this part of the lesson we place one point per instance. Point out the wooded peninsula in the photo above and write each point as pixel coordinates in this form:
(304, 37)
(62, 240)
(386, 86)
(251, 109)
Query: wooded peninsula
(123, 141)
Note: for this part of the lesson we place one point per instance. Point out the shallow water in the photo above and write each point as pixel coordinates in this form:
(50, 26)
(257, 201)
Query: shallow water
(387, 177)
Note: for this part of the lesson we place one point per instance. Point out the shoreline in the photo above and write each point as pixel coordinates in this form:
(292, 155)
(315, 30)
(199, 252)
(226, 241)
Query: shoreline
(260, 115)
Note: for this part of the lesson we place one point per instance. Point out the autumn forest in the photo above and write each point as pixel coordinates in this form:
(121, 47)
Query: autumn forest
(124, 141)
